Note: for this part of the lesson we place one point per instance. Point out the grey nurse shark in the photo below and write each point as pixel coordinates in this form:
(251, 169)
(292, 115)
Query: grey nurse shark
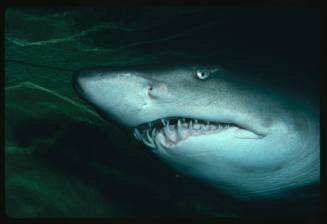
(240, 135)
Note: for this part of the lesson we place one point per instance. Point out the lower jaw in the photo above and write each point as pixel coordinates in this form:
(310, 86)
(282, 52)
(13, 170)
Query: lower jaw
(174, 140)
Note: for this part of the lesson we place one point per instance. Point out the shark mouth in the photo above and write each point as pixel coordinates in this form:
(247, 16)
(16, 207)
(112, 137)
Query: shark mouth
(176, 130)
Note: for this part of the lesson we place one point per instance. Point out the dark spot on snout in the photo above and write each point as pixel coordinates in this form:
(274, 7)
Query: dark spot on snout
(150, 93)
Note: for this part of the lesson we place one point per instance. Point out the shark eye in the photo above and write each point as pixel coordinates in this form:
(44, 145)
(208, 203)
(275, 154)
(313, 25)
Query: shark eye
(202, 74)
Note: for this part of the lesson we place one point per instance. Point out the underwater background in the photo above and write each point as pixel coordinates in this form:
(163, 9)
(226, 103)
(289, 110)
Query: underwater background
(63, 160)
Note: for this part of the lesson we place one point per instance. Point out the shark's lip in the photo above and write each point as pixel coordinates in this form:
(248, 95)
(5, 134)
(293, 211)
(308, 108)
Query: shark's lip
(177, 129)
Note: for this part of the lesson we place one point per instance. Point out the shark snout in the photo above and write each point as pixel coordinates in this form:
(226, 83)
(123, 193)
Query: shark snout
(121, 95)
(81, 80)
(90, 84)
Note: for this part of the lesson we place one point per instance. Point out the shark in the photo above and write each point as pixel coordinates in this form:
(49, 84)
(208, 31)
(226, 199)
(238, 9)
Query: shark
(237, 133)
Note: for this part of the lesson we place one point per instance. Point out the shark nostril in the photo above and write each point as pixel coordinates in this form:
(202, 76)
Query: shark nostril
(150, 92)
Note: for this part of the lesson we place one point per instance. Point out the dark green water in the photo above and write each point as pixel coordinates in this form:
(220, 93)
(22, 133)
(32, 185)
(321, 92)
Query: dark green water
(63, 160)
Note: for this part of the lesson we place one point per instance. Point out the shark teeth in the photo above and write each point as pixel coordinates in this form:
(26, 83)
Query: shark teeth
(168, 133)
(150, 138)
(179, 130)
(176, 129)
(147, 140)
(137, 134)
(164, 122)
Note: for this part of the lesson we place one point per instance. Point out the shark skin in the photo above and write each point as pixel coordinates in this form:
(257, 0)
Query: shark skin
(236, 133)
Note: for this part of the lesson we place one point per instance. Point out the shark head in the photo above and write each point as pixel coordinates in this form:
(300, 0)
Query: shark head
(236, 134)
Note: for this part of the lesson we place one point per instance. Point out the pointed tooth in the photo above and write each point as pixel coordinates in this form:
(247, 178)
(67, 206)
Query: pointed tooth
(190, 125)
(179, 129)
(205, 127)
(154, 135)
(179, 125)
(153, 132)
(138, 134)
(146, 136)
(149, 137)
(167, 133)
(148, 143)
(150, 125)
(139, 137)
(135, 135)
(167, 125)
(166, 130)
(163, 122)
(196, 126)
(196, 121)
